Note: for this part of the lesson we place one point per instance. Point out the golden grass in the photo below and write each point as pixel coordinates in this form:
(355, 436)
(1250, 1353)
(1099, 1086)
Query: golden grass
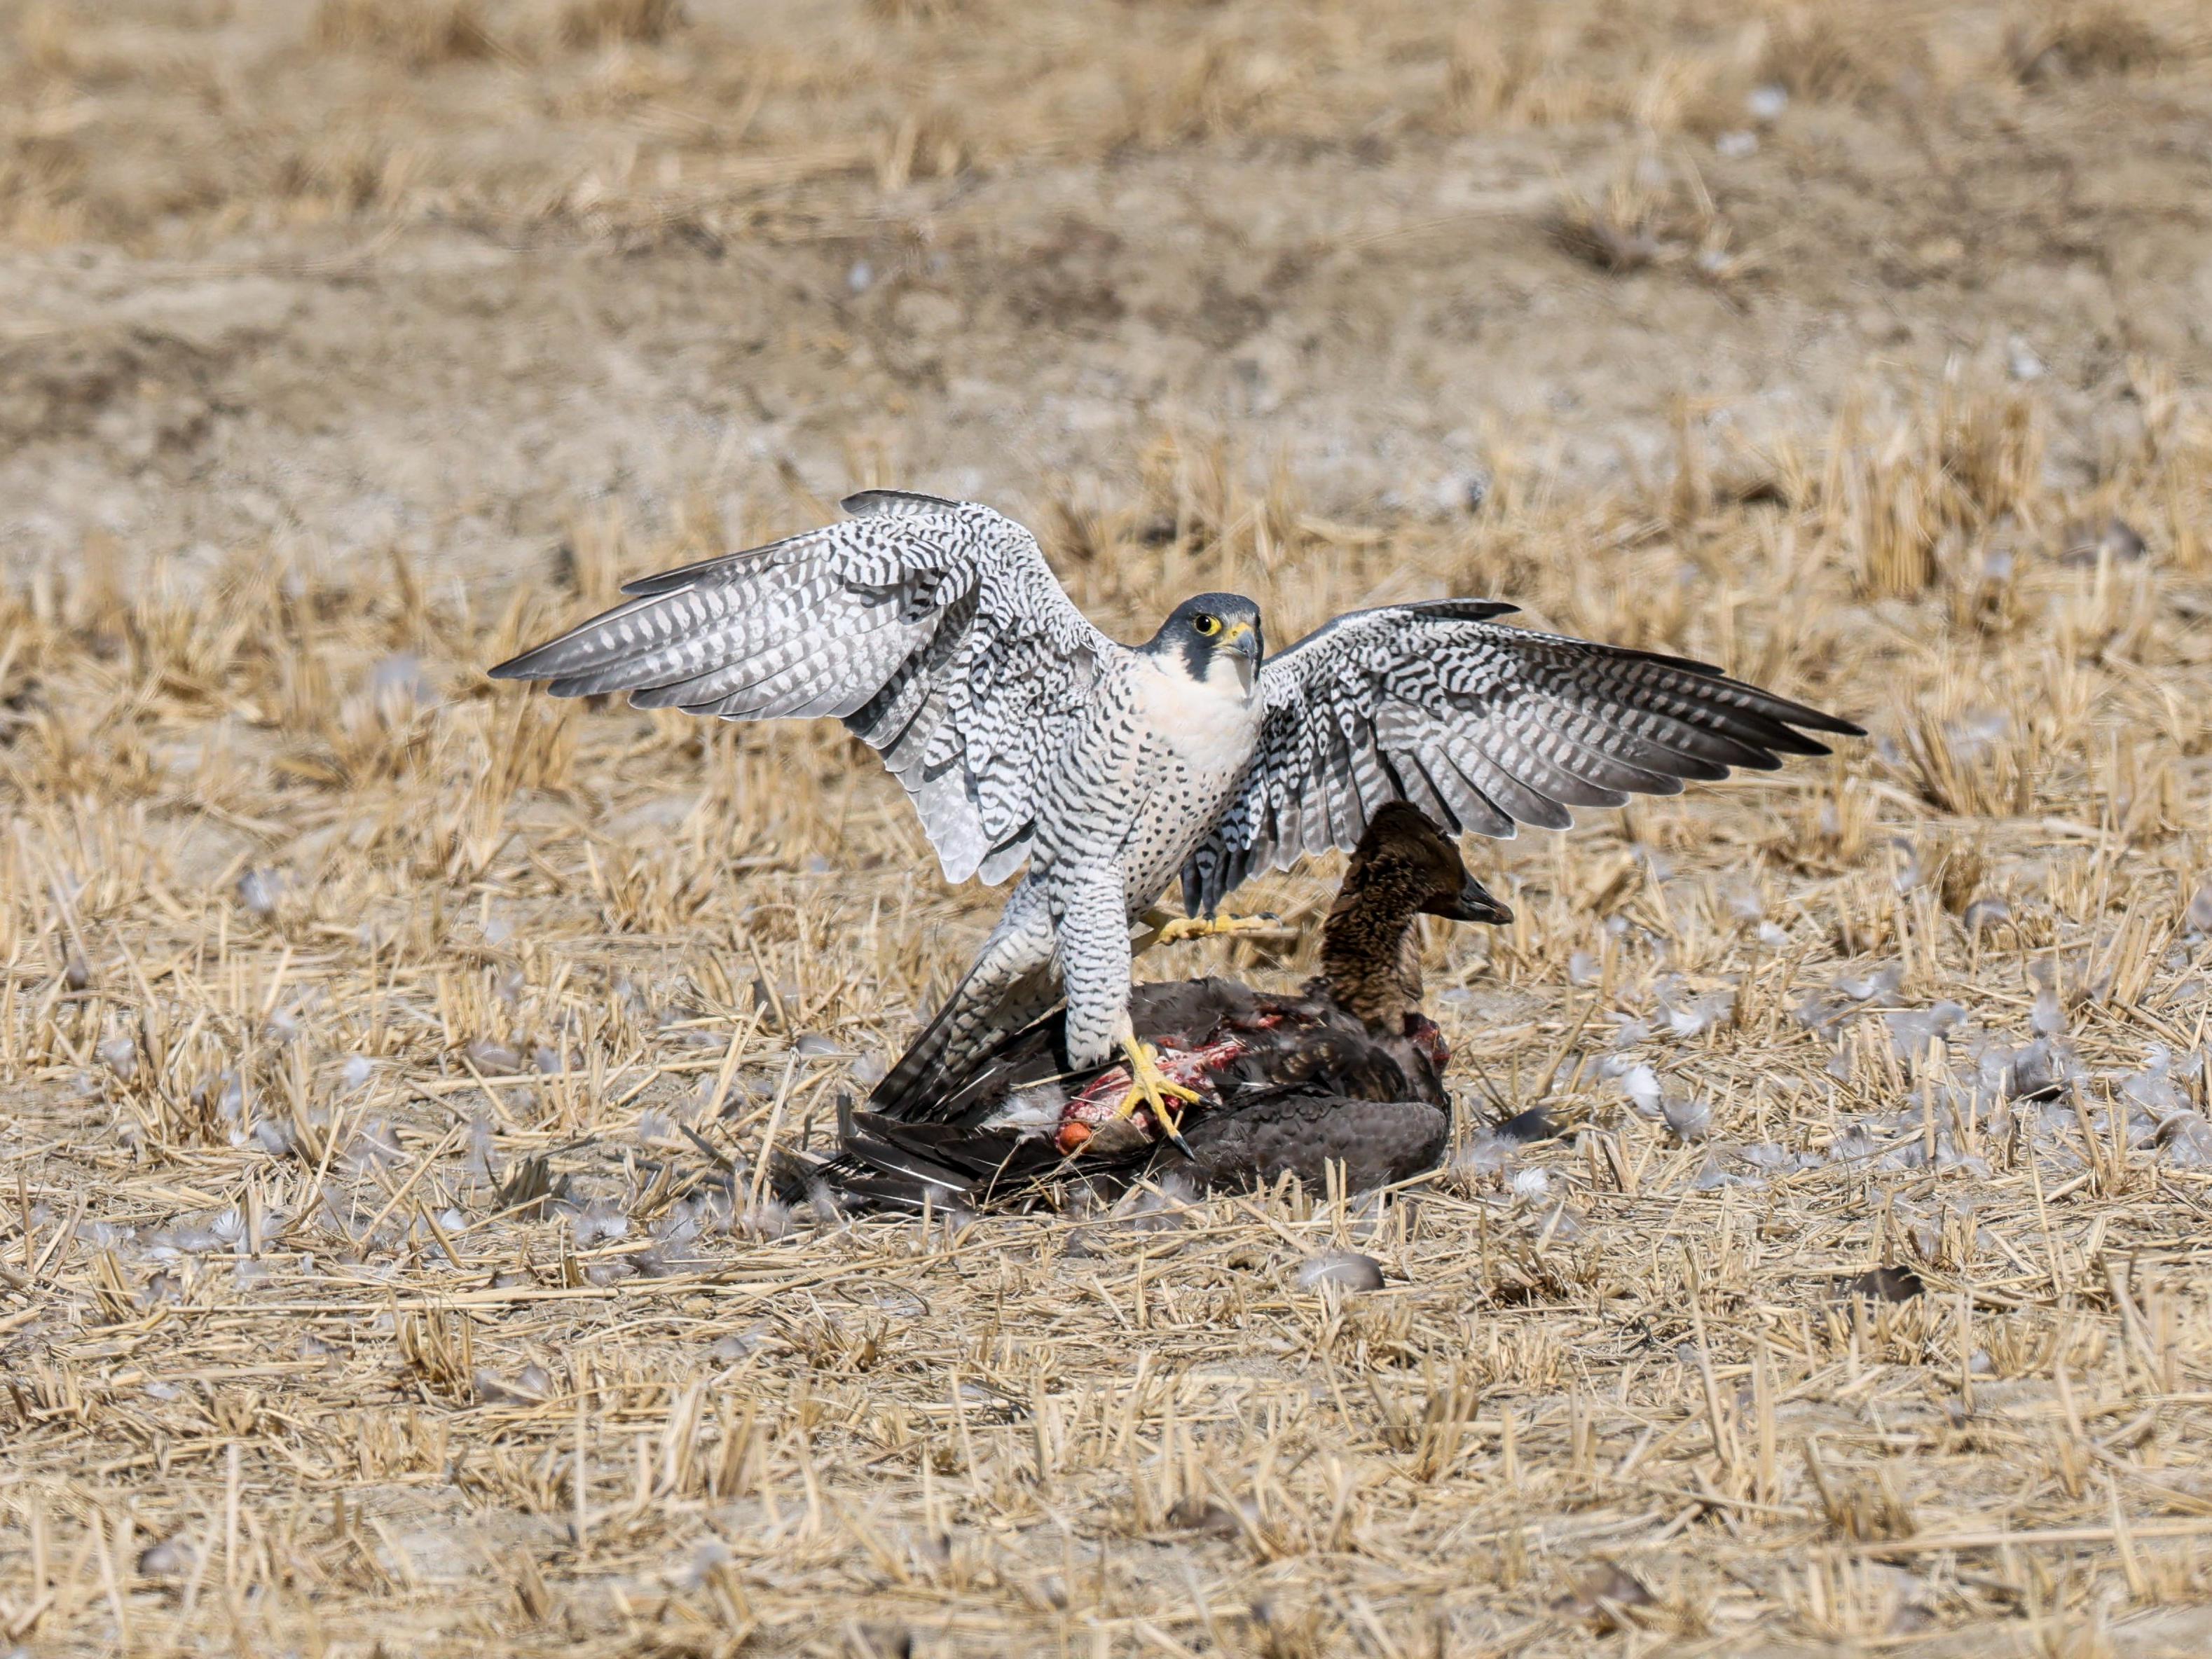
(627, 116)
(363, 1288)
(1651, 212)
(2072, 38)
(418, 32)
(361, 1283)
(603, 22)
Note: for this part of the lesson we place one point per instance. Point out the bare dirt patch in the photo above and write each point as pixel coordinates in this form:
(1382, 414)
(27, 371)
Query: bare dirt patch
(359, 1279)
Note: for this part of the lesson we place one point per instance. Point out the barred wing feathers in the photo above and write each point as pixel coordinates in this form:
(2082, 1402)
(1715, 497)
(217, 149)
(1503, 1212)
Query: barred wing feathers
(1482, 726)
(934, 629)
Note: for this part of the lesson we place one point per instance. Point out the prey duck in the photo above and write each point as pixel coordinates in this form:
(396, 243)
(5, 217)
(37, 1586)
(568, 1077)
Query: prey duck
(1348, 1069)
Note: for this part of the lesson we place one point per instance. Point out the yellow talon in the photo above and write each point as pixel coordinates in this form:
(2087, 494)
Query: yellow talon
(1178, 929)
(1149, 1086)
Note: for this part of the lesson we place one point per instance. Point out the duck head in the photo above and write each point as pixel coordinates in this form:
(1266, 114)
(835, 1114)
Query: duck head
(1403, 852)
(1404, 866)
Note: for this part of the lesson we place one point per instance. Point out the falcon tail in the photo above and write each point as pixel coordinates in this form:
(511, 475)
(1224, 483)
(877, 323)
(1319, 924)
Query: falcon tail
(882, 1165)
(908, 1081)
(976, 1019)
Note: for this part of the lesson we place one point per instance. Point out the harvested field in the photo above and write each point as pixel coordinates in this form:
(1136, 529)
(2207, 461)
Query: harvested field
(386, 1058)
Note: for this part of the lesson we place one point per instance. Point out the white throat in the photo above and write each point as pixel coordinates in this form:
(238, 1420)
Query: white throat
(1213, 721)
(1230, 675)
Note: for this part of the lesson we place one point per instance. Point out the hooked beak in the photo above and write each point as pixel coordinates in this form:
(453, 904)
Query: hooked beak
(1474, 903)
(1244, 639)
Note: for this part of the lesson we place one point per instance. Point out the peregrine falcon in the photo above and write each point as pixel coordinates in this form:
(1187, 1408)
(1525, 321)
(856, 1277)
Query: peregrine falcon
(1348, 1068)
(938, 633)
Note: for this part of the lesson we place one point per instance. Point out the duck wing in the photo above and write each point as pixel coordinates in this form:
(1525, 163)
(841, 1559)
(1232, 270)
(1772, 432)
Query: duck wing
(1375, 1141)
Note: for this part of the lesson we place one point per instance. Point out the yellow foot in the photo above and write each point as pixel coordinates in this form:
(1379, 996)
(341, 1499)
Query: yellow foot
(1178, 929)
(1148, 1086)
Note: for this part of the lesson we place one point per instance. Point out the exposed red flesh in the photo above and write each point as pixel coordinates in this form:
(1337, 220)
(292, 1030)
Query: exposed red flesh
(1194, 1068)
(1425, 1035)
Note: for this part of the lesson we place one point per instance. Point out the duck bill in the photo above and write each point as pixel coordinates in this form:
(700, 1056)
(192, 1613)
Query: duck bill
(1474, 903)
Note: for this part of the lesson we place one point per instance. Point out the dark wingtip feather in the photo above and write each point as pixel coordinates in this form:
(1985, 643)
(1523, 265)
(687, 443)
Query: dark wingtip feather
(671, 696)
(667, 581)
(864, 503)
(1786, 711)
(1783, 711)
(1465, 609)
(1798, 744)
(685, 575)
(1787, 714)
(540, 662)
(579, 652)
(1779, 734)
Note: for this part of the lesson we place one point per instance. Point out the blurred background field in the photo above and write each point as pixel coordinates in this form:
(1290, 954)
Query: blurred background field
(360, 1279)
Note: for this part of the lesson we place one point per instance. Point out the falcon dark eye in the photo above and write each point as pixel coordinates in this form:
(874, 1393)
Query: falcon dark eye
(1207, 626)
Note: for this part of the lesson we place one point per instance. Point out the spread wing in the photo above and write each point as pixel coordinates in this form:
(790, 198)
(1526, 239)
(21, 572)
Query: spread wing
(934, 630)
(1482, 726)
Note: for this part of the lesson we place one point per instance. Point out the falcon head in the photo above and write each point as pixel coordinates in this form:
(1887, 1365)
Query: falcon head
(1217, 640)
